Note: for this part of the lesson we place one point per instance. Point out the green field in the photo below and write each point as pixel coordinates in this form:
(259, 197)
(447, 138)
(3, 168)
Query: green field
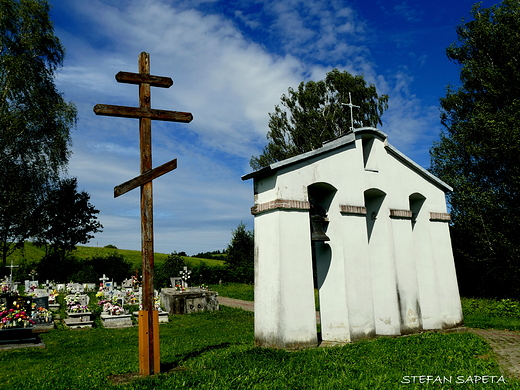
(32, 253)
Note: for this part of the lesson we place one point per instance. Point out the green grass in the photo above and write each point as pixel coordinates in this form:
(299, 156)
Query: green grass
(490, 313)
(32, 254)
(245, 292)
(216, 351)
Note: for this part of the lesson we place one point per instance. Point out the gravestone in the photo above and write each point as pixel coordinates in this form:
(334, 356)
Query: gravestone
(82, 317)
(176, 281)
(128, 283)
(42, 302)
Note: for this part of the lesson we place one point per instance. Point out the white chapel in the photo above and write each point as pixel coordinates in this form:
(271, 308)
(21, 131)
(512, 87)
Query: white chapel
(367, 227)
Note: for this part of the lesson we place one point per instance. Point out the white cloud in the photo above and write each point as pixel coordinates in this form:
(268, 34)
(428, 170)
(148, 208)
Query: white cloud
(228, 81)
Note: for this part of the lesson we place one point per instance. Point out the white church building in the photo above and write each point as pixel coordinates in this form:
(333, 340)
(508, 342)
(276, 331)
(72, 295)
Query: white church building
(368, 228)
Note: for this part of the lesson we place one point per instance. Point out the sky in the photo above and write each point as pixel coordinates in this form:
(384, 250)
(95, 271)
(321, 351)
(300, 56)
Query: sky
(231, 61)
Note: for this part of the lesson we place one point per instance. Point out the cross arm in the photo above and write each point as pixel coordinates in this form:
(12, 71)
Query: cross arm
(144, 178)
(142, 112)
(140, 78)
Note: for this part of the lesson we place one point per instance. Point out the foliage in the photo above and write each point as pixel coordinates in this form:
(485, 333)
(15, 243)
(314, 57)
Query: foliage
(168, 269)
(315, 113)
(66, 218)
(35, 121)
(491, 313)
(215, 350)
(203, 273)
(70, 268)
(478, 152)
(240, 258)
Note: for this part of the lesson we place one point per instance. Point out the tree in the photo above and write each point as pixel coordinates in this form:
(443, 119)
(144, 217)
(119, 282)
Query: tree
(170, 268)
(66, 218)
(478, 153)
(315, 113)
(240, 255)
(35, 121)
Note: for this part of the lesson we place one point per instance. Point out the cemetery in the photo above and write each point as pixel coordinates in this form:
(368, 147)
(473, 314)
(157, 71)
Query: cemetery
(348, 279)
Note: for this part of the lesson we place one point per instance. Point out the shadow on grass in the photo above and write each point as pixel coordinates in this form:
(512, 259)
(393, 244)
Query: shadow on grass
(179, 359)
(166, 368)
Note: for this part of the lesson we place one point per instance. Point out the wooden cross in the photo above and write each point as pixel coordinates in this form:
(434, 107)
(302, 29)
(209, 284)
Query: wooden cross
(149, 357)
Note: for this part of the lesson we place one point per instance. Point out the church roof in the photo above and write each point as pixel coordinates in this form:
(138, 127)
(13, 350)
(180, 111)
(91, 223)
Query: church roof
(341, 142)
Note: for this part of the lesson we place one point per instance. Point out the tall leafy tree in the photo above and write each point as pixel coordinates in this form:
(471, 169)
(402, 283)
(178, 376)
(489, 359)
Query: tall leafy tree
(478, 153)
(315, 113)
(35, 120)
(66, 218)
(240, 258)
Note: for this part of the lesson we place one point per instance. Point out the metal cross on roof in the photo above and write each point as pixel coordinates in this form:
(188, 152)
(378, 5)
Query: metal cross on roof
(149, 357)
(349, 104)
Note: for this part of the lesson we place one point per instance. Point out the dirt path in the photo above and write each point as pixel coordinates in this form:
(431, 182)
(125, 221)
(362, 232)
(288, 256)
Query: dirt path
(505, 343)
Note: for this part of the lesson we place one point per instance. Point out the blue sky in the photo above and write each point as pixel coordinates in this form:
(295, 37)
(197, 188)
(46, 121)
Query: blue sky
(230, 62)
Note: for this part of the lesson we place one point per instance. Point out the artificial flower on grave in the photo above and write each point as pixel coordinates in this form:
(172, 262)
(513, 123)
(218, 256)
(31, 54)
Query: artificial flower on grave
(178, 287)
(73, 304)
(135, 282)
(52, 296)
(100, 293)
(14, 318)
(5, 288)
(40, 315)
(112, 309)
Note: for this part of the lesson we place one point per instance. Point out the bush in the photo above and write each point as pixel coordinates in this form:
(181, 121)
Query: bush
(168, 269)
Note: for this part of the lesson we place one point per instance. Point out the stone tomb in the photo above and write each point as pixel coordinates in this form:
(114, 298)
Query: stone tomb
(79, 319)
(192, 300)
(371, 224)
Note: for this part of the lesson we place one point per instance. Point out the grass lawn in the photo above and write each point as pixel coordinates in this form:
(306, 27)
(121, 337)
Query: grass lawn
(216, 351)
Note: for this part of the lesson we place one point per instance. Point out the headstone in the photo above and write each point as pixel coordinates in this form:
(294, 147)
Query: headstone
(176, 282)
(40, 292)
(42, 301)
(60, 287)
(128, 283)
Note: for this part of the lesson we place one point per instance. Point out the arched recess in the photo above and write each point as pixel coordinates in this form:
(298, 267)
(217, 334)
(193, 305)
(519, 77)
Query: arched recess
(321, 196)
(373, 200)
(416, 202)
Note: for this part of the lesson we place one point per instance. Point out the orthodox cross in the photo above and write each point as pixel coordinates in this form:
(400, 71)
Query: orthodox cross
(149, 357)
(351, 112)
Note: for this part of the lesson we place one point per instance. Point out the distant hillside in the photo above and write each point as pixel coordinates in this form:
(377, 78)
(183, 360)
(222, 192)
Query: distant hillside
(32, 253)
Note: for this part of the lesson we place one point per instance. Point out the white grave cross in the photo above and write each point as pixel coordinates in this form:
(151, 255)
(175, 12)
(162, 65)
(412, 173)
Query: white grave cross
(104, 279)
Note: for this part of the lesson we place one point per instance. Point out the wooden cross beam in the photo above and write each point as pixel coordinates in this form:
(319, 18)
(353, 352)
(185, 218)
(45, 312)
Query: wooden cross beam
(149, 356)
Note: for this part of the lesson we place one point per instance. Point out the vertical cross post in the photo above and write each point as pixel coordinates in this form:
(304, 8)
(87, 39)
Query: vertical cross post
(149, 356)
(145, 146)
